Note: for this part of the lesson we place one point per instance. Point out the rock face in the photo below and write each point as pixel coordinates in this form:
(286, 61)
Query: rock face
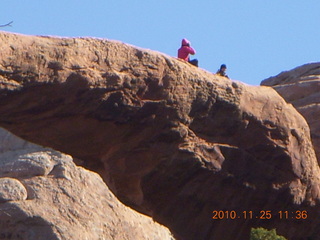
(172, 141)
(301, 88)
(43, 195)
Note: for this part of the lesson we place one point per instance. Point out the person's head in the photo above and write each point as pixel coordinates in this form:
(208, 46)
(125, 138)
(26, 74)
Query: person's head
(185, 42)
(223, 67)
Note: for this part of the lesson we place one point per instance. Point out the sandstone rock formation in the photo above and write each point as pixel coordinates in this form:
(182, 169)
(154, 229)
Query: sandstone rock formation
(43, 195)
(301, 87)
(172, 141)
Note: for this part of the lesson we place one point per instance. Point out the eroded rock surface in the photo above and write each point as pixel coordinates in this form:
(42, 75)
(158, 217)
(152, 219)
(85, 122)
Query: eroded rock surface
(170, 140)
(301, 87)
(12, 190)
(65, 203)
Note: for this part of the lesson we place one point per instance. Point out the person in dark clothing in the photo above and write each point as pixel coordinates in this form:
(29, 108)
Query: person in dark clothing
(222, 71)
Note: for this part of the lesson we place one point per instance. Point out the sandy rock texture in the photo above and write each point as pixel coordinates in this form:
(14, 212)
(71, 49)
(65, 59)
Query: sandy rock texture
(48, 197)
(301, 88)
(171, 140)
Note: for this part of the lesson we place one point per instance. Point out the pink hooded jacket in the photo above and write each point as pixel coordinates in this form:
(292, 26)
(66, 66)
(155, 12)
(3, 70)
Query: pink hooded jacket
(185, 50)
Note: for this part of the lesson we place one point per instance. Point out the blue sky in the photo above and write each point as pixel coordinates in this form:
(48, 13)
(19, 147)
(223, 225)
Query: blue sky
(255, 38)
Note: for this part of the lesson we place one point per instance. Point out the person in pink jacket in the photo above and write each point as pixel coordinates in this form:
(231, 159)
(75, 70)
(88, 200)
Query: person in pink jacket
(185, 51)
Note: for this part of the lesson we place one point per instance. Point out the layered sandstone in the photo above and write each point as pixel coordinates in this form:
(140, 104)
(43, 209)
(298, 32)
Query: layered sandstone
(43, 195)
(301, 88)
(170, 140)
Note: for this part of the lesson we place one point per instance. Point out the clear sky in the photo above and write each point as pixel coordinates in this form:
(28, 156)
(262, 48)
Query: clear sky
(255, 38)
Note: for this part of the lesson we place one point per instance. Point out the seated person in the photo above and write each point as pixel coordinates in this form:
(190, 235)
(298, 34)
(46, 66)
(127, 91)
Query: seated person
(185, 50)
(222, 71)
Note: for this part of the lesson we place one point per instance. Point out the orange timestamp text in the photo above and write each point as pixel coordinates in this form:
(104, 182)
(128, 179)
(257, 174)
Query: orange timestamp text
(263, 214)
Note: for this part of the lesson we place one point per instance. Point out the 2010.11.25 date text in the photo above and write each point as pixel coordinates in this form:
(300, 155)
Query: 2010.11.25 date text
(263, 214)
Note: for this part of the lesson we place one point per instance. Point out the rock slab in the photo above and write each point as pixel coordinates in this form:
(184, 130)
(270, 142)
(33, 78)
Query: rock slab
(301, 88)
(172, 141)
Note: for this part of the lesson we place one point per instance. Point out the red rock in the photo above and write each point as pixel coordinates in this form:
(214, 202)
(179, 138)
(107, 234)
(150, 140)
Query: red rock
(301, 88)
(172, 141)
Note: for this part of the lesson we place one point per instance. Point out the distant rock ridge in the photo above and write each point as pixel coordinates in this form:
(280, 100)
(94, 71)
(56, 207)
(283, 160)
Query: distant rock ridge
(171, 140)
(43, 195)
(301, 87)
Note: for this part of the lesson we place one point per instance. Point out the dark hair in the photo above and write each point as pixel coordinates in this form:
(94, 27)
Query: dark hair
(223, 66)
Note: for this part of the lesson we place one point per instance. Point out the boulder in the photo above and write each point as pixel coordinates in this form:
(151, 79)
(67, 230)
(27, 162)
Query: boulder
(12, 190)
(301, 88)
(171, 140)
(67, 202)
